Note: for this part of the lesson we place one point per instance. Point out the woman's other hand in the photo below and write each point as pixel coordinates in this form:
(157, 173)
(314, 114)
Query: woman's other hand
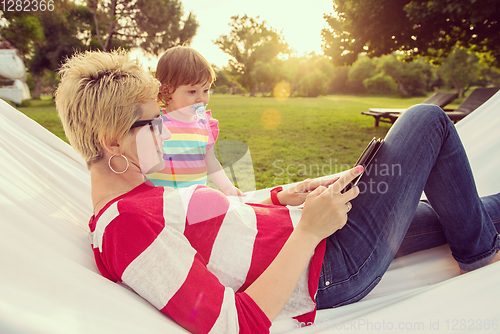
(297, 194)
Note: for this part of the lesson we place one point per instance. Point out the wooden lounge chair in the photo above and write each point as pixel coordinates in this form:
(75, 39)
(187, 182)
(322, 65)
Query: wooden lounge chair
(471, 103)
(386, 115)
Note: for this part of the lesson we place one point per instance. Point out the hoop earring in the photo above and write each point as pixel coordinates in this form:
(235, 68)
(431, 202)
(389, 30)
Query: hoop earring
(114, 171)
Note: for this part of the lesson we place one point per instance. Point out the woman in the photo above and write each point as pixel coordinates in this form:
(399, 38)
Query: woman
(213, 265)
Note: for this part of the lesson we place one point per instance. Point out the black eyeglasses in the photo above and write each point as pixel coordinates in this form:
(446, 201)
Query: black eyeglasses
(155, 124)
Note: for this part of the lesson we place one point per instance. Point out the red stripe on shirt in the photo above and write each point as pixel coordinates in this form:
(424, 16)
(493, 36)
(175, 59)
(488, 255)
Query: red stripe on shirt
(313, 281)
(200, 297)
(250, 317)
(126, 240)
(273, 231)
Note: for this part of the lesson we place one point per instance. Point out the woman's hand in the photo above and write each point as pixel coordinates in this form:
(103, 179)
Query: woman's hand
(325, 209)
(297, 194)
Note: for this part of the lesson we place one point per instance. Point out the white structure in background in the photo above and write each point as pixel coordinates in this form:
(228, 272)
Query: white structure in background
(13, 76)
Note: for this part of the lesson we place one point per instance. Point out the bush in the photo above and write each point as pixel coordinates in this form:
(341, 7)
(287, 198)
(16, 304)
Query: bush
(413, 78)
(340, 83)
(363, 68)
(313, 84)
(381, 84)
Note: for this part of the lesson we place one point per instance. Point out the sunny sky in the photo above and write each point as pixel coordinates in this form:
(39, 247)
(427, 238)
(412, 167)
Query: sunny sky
(300, 22)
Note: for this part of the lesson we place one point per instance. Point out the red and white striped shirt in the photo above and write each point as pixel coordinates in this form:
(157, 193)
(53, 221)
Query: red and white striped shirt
(191, 252)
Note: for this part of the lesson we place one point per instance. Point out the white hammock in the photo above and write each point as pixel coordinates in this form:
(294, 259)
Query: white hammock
(49, 282)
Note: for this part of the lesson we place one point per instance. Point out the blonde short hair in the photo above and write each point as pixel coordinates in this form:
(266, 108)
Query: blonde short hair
(100, 94)
(182, 65)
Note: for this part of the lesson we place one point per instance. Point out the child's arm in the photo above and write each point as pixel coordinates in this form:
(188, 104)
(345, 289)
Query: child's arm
(218, 175)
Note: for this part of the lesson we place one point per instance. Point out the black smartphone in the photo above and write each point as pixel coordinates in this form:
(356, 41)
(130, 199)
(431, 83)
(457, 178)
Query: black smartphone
(364, 160)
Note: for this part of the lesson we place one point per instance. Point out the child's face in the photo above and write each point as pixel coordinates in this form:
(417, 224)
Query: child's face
(187, 95)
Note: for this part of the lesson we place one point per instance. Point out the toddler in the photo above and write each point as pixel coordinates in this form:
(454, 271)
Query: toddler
(185, 78)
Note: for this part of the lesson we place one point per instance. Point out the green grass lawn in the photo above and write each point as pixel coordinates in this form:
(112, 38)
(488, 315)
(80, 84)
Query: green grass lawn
(288, 140)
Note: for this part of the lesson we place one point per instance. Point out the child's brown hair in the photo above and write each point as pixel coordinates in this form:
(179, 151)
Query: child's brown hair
(179, 66)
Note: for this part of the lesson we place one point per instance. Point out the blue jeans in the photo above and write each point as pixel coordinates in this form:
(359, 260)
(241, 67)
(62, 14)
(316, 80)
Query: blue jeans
(422, 152)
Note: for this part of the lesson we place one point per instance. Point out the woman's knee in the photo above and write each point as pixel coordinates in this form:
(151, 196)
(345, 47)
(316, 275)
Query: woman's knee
(428, 112)
(425, 115)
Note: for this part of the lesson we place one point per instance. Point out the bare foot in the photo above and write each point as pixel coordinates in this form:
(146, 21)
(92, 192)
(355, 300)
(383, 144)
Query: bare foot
(496, 258)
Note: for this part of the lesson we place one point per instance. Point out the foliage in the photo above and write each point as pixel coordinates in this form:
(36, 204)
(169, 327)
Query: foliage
(5, 45)
(362, 69)
(489, 76)
(221, 77)
(225, 77)
(430, 28)
(266, 76)
(307, 76)
(340, 83)
(293, 70)
(364, 26)
(22, 30)
(414, 78)
(222, 89)
(312, 75)
(461, 69)
(442, 24)
(250, 41)
(313, 84)
(153, 25)
(380, 84)
(45, 38)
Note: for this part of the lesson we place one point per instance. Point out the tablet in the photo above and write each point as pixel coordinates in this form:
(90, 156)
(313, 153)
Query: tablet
(365, 159)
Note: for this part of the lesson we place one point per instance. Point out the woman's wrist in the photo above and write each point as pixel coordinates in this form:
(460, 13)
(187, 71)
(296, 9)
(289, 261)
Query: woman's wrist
(277, 196)
(282, 198)
(309, 237)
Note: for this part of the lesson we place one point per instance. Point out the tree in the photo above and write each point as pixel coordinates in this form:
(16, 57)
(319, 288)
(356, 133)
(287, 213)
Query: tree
(293, 70)
(308, 75)
(21, 30)
(152, 25)
(359, 26)
(224, 77)
(248, 42)
(362, 69)
(340, 83)
(266, 76)
(460, 70)
(413, 78)
(45, 38)
(429, 28)
(313, 84)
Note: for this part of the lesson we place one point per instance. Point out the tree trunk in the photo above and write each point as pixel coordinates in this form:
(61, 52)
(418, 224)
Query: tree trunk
(37, 91)
(402, 89)
(465, 90)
